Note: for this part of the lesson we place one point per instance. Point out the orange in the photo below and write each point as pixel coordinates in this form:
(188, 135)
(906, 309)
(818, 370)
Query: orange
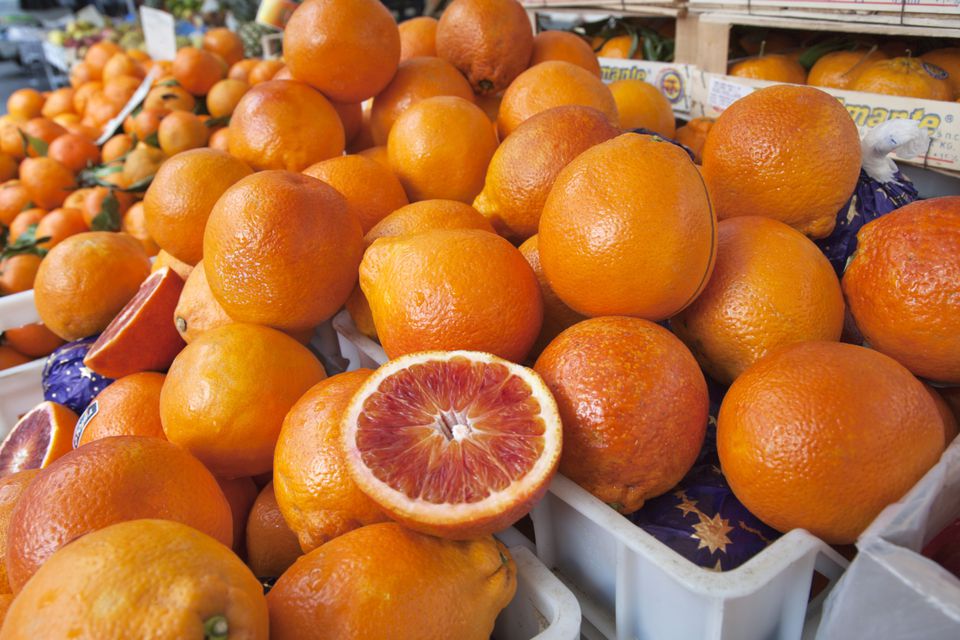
(271, 545)
(693, 136)
(164, 259)
(60, 224)
(440, 148)
(907, 77)
(318, 498)
(371, 190)
(11, 142)
(100, 109)
(282, 249)
(224, 43)
(240, 493)
(119, 90)
(840, 69)
(23, 221)
(98, 55)
(451, 289)
(772, 67)
(348, 49)
(351, 117)
(44, 129)
(902, 284)
(181, 196)
(17, 273)
(269, 371)
(566, 46)
(264, 70)
(180, 131)
(525, 165)
(788, 153)
(86, 279)
(822, 436)
(25, 103)
(169, 98)
(363, 139)
(128, 407)
(40, 437)
(58, 506)
(374, 587)
(557, 316)
(142, 164)
(633, 403)
(8, 167)
(80, 74)
(74, 151)
(282, 124)
(771, 287)
(163, 576)
(147, 122)
(83, 93)
(10, 357)
(47, 181)
(120, 64)
(224, 96)
(241, 70)
(11, 488)
(426, 215)
(58, 102)
(641, 105)
(116, 146)
(418, 37)
(489, 41)
(621, 46)
(95, 200)
(416, 80)
(33, 340)
(950, 426)
(220, 140)
(600, 219)
(552, 84)
(197, 310)
(378, 153)
(14, 199)
(947, 59)
(197, 70)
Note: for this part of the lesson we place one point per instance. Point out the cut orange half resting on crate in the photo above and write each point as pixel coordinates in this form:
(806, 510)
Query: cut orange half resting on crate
(457, 444)
(41, 436)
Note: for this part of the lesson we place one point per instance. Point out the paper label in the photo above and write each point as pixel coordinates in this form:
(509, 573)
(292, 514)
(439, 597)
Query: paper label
(721, 93)
(158, 33)
(671, 79)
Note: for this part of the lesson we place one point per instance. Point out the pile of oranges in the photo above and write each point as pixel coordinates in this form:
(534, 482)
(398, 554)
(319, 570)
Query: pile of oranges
(550, 288)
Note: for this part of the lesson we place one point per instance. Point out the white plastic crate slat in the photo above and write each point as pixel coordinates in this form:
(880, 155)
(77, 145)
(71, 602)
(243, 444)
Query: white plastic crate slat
(542, 609)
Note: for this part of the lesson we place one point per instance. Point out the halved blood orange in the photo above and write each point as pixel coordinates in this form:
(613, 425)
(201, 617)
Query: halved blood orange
(456, 444)
(143, 336)
(41, 436)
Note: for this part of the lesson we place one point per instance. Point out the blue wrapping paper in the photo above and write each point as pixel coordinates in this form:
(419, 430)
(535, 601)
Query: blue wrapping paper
(67, 380)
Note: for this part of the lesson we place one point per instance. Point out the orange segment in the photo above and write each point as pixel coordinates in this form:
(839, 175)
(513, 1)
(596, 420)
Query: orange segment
(41, 436)
(455, 444)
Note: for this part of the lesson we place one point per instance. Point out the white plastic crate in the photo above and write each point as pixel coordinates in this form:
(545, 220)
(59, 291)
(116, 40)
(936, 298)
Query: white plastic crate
(20, 387)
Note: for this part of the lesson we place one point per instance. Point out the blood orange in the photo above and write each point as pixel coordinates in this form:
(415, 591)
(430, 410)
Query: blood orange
(143, 336)
(456, 444)
(41, 436)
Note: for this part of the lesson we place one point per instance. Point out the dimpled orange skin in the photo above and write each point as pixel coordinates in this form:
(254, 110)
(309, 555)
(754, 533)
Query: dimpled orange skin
(557, 316)
(86, 280)
(240, 494)
(282, 249)
(152, 578)
(47, 181)
(11, 488)
(314, 490)
(552, 84)
(385, 581)
(824, 435)
(231, 423)
(566, 46)
(628, 230)
(772, 67)
(903, 283)
(271, 545)
(418, 37)
(771, 287)
(633, 403)
(440, 148)
(839, 69)
(283, 124)
(197, 310)
(371, 190)
(452, 289)
(197, 70)
(181, 196)
(348, 49)
(783, 152)
(426, 215)
(693, 135)
(641, 105)
(128, 407)
(60, 504)
(416, 80)
(525, 165)
(907, 77)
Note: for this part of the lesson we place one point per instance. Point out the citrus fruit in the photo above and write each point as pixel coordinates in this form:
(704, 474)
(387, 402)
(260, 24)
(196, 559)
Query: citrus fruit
(902, 283)
(489, 41)
(25, 103)
(220, 140)
(525, 165)
(116, 147)
(224, 96)
(13, 199)
(282, 124)
(947, 59)
(58, 101)
(348, 49)
(41, 436)
(371, 190)
(8, 167)
(271, 545)
(627, 229)
(416, 80)
(440, 148)
(557, 316)
(184, 190)
(693, 135)
(457, 444)
(142, 163)
(906, 77)
(164, 259)
(98, 55)
(783, 152)
(427, 215)
(314, 490)
(171, 98)
(418, 37)
(240, 493)
(224, 43)
(59, 506)
(351, 117)
(552, 84)
(47, 181)
(451, 289)
(86, 280)
(772, 68)
(840, 69)
(385, 581)
(119, 64)
(197, 70)
(11, 488)
(33, 340)
(621, 47)
(633, 403)
(10, 357)
(197, 310)
(822, 436)
(282, 249)
(566, 46)
(22, 223)
(130, 406)
(378, 153)
(18, 272)
(231, 422)
(950, 425)
(641, 105)
(771, 286)
(160, 577)
(180, 131)
(265, 70)
(74, 151)
(58, 225)
(241, 70)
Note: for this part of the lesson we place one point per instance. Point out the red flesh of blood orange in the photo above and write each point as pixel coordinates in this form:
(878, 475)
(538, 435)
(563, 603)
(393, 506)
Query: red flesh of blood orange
(41, 436)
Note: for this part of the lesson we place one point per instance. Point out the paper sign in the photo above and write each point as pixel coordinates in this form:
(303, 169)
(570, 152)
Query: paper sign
(128, 108)
(670, 78)
(158, 32)
(275, 13)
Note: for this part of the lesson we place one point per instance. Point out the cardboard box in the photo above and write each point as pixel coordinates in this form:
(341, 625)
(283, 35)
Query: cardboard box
(672, 79)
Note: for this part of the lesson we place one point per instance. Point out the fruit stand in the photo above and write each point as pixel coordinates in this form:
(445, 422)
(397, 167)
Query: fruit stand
(511, 320)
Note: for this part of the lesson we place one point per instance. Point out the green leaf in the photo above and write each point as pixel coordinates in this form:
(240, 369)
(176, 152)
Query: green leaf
(109, 217)
(96, 176)
(152, 140)
(38, 145)
(222, 121)
(168, 83)
(26, 242)
(28, 205)
(139, 185)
